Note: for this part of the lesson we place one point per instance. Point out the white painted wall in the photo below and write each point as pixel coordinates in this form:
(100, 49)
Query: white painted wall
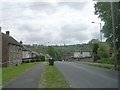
(76, 54)
(26, 54)
(81, 54)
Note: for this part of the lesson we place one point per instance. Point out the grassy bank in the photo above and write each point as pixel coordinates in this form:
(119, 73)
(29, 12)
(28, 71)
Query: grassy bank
(103, 66)
(52, 78)
(12, 72)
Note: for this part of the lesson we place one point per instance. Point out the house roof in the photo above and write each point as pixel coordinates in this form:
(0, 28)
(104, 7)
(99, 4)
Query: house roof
(25, 48)
(83, 50)
(10, 40)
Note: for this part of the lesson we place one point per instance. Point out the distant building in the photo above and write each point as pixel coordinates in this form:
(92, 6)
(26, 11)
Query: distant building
(11, 50)
(26, 53)
(29, 55)
(82, 54)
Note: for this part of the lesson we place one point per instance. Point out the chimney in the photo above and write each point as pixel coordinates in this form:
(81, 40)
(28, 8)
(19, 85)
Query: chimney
(7, 33)
(21, 42)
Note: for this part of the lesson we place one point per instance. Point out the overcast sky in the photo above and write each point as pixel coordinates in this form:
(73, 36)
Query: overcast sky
(53, 21)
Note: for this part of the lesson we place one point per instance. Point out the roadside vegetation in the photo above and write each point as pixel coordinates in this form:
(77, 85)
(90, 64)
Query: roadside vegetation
(103, 66)
(104, 12)
(10, 73)
(52, 78)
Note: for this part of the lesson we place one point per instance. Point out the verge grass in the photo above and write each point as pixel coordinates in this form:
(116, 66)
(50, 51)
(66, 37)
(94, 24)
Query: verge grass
(103, 66)
(11, 73)
(52, 78)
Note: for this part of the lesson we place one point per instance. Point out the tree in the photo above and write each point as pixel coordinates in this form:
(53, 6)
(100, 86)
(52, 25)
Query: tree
(103, 10)
(95, 48)
(52, 52)
(91, 43)
(103, 52)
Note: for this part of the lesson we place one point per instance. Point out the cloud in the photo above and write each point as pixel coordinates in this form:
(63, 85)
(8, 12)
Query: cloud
(56, 22)
(75, 5)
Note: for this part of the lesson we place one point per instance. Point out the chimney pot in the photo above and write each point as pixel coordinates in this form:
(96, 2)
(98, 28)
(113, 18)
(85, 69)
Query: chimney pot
(21, 42)
(7, 33)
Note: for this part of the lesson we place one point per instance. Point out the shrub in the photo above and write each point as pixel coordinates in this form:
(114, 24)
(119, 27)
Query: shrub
(42, 58)
(96, 57)
(107, 61)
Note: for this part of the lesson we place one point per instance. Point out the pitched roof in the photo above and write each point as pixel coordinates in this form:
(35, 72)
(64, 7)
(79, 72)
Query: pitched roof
(10, 40)
(25, 48)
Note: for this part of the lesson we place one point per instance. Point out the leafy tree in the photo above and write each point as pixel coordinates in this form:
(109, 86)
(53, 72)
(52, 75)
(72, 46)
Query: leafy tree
(52, 52)
(42, 58)
(103, 52)
(91, 43)
(103, 10)
(95, 48)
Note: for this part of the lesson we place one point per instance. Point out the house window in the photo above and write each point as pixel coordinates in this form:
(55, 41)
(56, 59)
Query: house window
(81, 52)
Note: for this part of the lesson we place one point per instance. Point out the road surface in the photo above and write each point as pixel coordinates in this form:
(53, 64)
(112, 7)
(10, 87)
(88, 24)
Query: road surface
(80, 75)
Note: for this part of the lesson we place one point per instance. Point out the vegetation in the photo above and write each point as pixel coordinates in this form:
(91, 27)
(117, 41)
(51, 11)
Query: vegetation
(10, 73)
(95, 48)
(42, 58)
(52, 52)
(103, 10)
(60, 52)
(0, 78)
(107, 61)
(103, 66)
(103, 52)
(52, 78)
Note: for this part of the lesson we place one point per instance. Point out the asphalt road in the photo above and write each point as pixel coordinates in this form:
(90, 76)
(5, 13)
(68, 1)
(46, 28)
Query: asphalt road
(30, 79)
(80, 75)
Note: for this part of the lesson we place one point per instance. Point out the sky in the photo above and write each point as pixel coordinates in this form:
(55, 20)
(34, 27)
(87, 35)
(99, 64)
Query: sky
(50, 21)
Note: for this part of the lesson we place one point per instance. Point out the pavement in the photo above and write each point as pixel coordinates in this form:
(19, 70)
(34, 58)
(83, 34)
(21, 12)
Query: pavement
(80, 75)
(30, 79)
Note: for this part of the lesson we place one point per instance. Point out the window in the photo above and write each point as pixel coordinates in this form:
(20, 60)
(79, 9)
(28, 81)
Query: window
(81, 52)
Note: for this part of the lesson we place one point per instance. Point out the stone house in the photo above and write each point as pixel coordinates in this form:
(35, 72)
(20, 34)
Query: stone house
(11, 53)
(26, 53)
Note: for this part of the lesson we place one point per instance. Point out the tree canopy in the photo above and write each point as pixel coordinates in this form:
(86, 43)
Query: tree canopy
(103, 10)
(52, 52)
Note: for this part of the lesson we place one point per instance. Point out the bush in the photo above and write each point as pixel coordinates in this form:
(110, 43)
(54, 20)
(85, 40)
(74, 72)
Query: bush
(107, 61)
(96, 57)
(118, 58)
(103, 52)
(42, 58)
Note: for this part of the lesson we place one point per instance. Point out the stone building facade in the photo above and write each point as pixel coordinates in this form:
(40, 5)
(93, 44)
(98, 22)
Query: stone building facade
(11, 53)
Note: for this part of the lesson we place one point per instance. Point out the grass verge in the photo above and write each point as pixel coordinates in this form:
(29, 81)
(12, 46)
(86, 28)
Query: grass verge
(103, 66)
(13, 72)
(52, 78)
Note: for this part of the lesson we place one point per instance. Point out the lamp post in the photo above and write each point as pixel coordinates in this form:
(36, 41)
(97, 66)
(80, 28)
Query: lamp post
(100, 30)
(100, 36)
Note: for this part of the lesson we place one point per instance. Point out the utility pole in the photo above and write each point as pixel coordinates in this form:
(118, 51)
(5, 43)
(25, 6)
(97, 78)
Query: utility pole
(114, 39)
